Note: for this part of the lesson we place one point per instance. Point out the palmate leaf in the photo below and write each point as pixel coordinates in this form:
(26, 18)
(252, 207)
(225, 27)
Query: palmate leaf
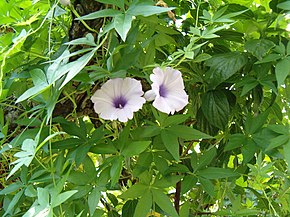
(25, 156)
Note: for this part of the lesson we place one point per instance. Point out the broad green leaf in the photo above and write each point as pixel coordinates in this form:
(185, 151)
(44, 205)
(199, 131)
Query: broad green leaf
(103, 148)
(282, 70)
(278, 141)
(253, 124)
(217, 173)
(11, 188)
(146, 131)
(174, 120)
(116, 169)
(207, 185)
(184, 211)
(284, 5)
(87, 40)
(33, 91)
(187, 133)
(269, 58)
(235, 141)
(171, 143)
(93, 200)
(134, 191)
(43, 197)
(122, 24)
(112, 199)
(38, 77)
(145, 9)
(167, 181)
(206, 158)
(76, 67)
(135, 148)
(101, 13)
(216, 108)
(129, 208)
(163, 202)
(259, 47)
(223, 66)
(61, 198)
(144, 205)
(202, 57)
(13, 203)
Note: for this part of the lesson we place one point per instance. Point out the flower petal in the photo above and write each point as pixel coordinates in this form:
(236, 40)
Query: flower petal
(150, 95)
(128, 89)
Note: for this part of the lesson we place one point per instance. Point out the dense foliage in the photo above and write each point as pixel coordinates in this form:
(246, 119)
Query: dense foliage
(227, 153)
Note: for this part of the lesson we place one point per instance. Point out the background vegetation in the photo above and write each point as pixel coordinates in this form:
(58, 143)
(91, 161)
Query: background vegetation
(226, 154)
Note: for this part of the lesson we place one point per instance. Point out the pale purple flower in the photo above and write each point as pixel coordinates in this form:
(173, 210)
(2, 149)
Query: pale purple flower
(167, 90)
(118, 99)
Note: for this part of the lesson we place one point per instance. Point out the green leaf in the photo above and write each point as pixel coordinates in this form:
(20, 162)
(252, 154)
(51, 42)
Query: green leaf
(116, 169)
(184, 211)
(75, 67)
(93, 200)
(187, 133)
(87, 40)
(235, 141)
(144, 205)
(38, 77)
(206, 158)
(134, 191)
(129, 208)
(282, 70)
(286, 149)
(253, 124)
(171, 143)
(175, 120)
(207, 186)
(259, 47)
(25, 156)
(202, 57)
(135, 148)
(163, 202)
(216, 173)
(122, 24)
(61, 198)
(33, 91)
(216, 108)
(278, 141)
(11, 188)
(13, 203)
(144, 8)
(104, 148)
(146, 131)
(223, 66)
(284, 5)
(101, 13)
(43, 197)
(167, 181)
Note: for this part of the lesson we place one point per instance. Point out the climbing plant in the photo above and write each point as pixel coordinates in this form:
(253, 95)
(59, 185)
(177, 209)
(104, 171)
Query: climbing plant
(144, 108)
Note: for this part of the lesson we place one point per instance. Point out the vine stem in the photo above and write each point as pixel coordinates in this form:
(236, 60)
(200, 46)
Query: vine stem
(178, 189)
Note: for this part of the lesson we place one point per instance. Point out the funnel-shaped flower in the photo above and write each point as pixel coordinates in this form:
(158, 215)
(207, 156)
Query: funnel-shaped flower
(167, 90)
(118, 99)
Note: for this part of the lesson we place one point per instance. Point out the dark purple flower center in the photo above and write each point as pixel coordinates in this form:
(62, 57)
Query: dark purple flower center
(119, 102)
(162, 91)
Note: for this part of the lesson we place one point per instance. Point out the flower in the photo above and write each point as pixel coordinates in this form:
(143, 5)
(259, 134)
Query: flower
(118, 99)
(167, 90)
